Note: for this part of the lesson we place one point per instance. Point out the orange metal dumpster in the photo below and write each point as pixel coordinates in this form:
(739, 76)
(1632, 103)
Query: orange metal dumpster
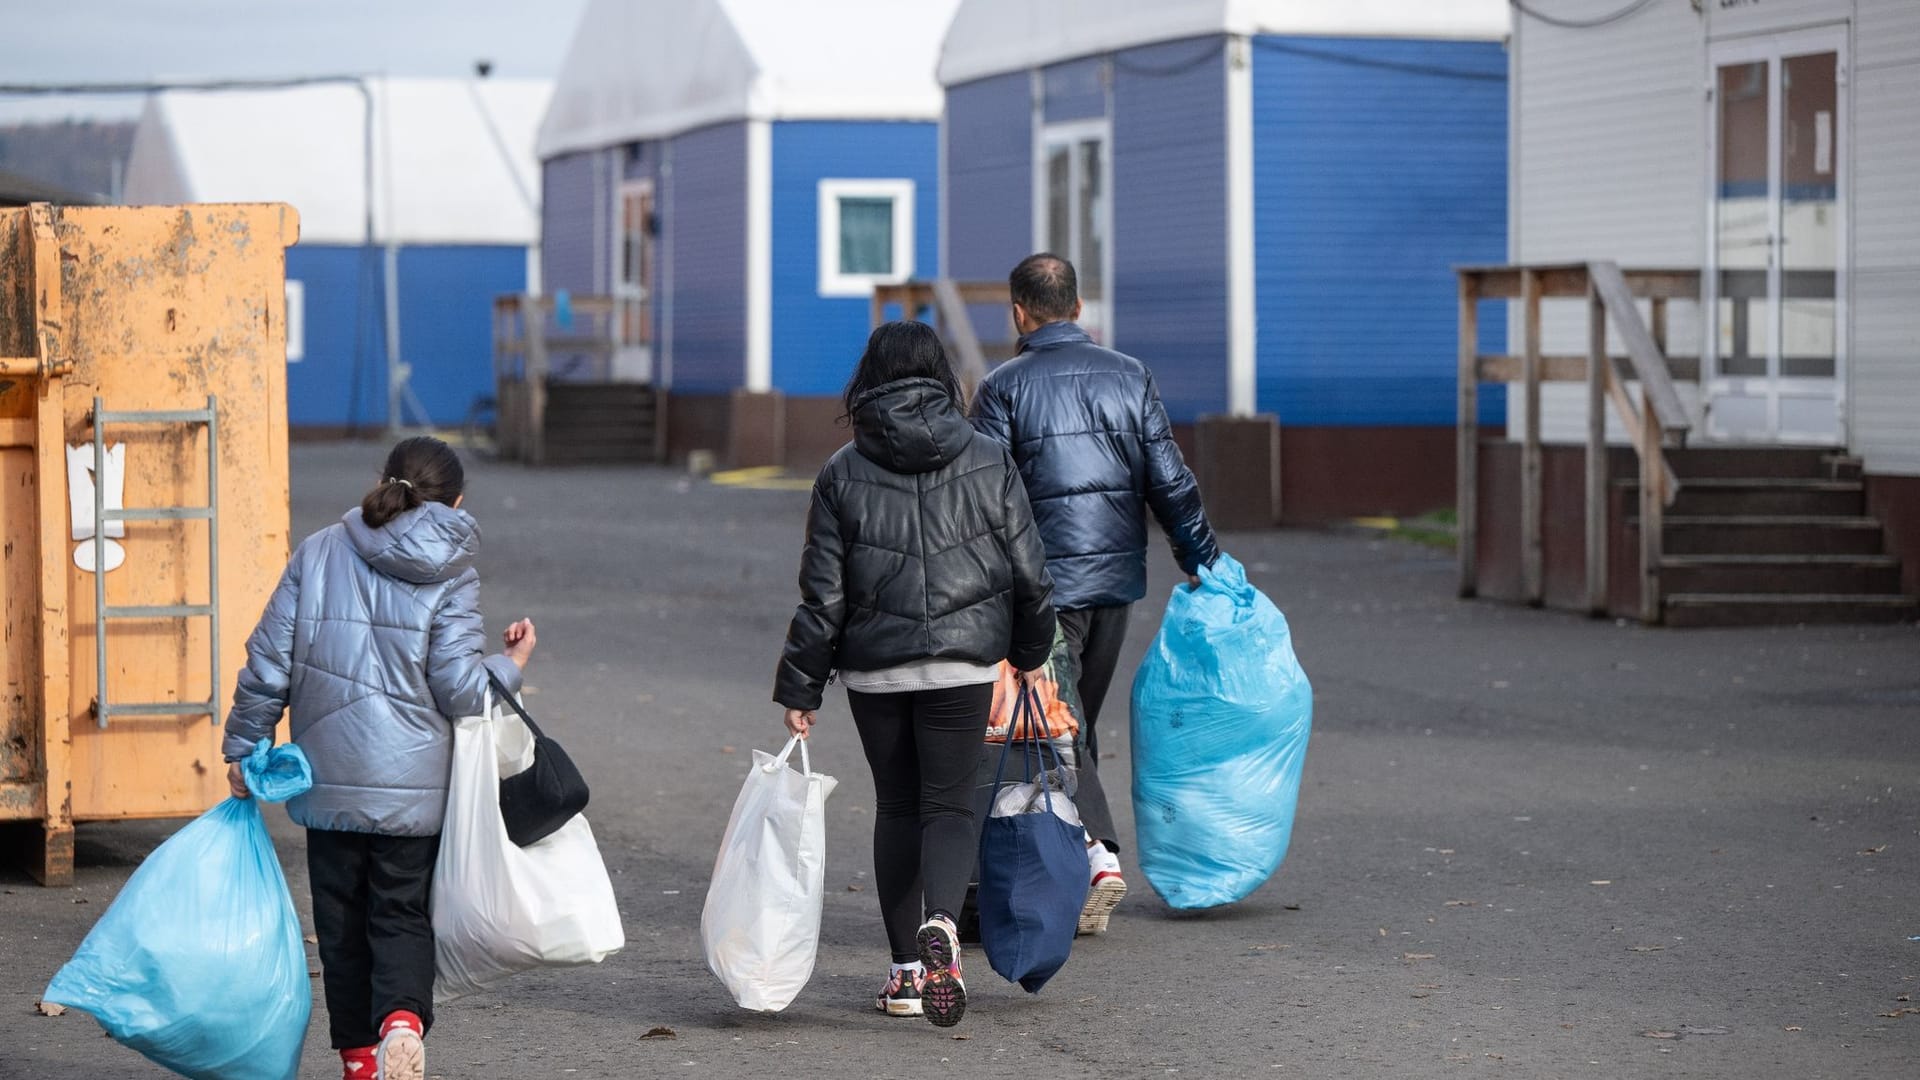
(170, 320)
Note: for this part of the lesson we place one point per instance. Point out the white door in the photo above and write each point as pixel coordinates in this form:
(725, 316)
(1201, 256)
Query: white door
(1075, 218)
(636, 244)
(1777, 258)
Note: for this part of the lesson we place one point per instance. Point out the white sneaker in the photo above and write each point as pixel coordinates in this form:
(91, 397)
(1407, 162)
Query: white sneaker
(1105, 890)
(401, 1054)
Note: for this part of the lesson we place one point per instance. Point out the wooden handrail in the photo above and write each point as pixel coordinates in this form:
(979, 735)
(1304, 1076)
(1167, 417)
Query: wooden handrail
(1649, 366)
(949, 300)
(1657, 420)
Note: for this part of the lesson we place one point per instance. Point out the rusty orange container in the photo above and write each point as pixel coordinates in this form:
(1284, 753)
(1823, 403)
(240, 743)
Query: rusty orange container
(172, 319)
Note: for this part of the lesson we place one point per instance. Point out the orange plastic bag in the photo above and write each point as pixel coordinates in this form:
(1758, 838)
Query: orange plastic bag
(1057, 689)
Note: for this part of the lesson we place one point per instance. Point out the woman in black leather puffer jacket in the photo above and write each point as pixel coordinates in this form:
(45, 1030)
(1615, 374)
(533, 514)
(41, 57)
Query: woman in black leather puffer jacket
(922, 571)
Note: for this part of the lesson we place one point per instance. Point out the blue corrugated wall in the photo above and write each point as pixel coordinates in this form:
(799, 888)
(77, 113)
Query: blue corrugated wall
(1379, 165)
(446, 331)
(1170, 219)
(568, 224)
(707, 251)
(816, 339)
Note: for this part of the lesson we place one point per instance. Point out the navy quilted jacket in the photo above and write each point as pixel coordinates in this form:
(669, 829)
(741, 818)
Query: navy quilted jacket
(1093, 444)
(371, 642)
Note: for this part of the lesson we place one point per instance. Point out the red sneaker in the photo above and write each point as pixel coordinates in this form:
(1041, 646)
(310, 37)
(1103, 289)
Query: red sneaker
(401, 1055)
(359, 1063)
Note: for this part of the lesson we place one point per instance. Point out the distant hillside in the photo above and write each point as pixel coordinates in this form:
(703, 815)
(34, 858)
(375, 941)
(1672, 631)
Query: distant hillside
(74, 155)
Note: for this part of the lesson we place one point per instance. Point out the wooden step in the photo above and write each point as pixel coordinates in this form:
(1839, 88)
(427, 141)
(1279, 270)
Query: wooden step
(1773, 462)
(1770, 534)
(1785, 609)
(1850, 575)
(1748, 496)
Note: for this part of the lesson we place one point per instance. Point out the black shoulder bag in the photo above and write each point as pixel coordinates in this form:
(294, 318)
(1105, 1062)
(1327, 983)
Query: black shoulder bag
(536, 802)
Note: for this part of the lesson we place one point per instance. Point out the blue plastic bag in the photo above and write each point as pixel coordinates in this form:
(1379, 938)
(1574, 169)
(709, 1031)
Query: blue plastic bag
(1033, 869)
(199, 963)
(1221, 713)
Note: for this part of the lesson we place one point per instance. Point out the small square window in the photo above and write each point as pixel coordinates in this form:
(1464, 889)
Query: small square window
(866, 235)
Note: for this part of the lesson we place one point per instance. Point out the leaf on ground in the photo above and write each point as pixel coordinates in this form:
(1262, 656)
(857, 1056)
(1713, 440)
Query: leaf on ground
(1898, 1013)
(314, 974)
(1267, 947)
(1413, 956)
(1423, 993)
(1291, 907)
(1795, 1027)
(960, 1038)
(1904, 997)
(1446, 851)
(1688, 1029)
(1383, 931)
(1659, 1034)
(1602, 881)
(726, 750)
(855, 888)
(1873, 850)
(48, 1008)
(1648, 948)
(1463, 903)
(661, 1033)
(311, 940)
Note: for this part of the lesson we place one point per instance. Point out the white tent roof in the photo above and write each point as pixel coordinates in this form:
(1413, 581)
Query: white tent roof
(453, 158)
(645, 69)
(991, 37)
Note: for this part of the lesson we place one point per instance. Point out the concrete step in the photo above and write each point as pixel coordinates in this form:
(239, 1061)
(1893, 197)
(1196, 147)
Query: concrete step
(1785, 609)
(1770, 534)
(1749, 496)
(1838, 575)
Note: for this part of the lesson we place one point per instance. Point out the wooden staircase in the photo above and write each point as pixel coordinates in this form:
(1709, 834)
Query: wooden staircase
(601, 424)
(1772, 536)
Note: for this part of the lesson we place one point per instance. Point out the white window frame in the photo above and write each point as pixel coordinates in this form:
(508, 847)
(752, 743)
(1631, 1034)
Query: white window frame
(833, 283)
(1097, 315)
(296, 320)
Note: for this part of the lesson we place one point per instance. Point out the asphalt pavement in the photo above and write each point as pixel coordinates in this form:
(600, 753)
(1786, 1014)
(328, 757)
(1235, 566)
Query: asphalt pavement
(1528, 845)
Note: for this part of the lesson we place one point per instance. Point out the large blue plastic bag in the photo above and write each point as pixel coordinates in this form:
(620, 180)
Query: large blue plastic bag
(1221, 713)
(199, 963)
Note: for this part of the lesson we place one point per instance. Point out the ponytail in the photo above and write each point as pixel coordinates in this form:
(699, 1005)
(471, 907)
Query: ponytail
(419, 470)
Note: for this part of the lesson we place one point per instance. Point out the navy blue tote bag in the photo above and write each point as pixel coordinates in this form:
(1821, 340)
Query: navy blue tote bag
(1033, 871)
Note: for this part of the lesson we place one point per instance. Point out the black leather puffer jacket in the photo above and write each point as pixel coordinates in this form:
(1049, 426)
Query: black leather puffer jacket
(1095, 448)
(920, 544)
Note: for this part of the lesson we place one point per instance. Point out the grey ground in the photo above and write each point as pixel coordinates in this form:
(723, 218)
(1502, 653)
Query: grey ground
(1525, 840)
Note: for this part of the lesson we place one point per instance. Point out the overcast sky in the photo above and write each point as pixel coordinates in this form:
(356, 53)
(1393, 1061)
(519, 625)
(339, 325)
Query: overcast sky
(68, 41)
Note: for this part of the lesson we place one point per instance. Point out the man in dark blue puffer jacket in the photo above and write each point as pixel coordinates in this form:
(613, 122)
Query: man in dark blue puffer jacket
(1093, 444)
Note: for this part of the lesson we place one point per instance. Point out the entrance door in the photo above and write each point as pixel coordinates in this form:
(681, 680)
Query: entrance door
(1077, 218)
(1776, 264)
(633, 289)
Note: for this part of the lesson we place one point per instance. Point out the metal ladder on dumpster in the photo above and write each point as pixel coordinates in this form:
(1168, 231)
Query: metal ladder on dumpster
(104, 710)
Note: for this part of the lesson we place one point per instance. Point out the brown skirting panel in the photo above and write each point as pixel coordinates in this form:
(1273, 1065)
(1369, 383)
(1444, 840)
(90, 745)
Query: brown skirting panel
(1330, 474)
(1895, 500)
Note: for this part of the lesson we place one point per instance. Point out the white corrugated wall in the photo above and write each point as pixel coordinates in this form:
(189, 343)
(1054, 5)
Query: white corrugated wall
(1610, 161)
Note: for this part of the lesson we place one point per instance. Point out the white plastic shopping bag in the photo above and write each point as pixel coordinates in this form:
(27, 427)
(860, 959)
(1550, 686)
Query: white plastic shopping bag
(761, 922)
(498, 908)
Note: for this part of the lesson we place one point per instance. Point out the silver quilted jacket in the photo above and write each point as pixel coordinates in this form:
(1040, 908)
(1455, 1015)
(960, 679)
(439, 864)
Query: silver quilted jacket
(370, 643)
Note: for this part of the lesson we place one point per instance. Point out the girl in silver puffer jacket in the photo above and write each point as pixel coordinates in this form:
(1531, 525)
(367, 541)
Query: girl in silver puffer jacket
(371, 643)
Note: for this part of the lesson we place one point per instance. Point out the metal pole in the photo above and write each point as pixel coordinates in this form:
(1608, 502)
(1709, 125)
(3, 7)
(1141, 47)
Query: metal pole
(99, 564)
(213, 558)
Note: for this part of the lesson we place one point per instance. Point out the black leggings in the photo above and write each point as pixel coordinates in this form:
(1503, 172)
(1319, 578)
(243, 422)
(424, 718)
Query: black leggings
(924, 748)
(372, 914)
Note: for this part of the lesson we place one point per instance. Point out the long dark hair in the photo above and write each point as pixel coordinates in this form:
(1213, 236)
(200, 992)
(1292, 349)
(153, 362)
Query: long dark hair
(901, 350)
(419, 470)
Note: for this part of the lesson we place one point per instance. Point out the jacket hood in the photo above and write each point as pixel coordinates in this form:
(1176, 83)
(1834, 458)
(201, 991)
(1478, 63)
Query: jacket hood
(910, 426)
(429, 543)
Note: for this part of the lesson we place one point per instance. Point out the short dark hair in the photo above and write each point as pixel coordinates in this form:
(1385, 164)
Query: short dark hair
(1046, 286)
(419, 470)
(901, 350)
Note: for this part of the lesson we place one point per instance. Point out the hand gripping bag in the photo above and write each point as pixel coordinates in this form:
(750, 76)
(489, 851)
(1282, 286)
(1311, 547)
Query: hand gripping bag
(199, 963)
(499, 908)
(761, 922)
(1221, 713)
(1033, 862)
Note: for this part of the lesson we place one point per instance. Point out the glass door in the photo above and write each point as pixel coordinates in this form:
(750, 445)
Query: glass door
(633, 287)
(1778, 338)
(1077, 221)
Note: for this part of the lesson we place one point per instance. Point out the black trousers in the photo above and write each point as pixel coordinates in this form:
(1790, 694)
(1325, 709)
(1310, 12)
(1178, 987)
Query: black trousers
(924, 748)
(370, 912)
(1094, 636)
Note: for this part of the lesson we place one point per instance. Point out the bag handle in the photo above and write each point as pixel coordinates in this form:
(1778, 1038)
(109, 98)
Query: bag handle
(1026, 714)
(500, 691)
(806, 765)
